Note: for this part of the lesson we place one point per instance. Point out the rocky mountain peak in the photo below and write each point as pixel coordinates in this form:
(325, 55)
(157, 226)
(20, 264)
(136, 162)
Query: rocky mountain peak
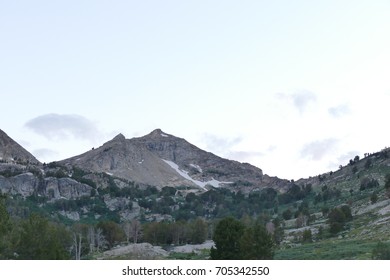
(119, 137)
(157, 133)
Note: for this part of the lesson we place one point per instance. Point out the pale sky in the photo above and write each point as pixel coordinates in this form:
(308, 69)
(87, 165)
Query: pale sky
(294, 87)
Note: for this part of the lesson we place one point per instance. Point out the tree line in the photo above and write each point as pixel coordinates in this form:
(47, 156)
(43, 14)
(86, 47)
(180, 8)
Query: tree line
(36, 237)
(235, 240)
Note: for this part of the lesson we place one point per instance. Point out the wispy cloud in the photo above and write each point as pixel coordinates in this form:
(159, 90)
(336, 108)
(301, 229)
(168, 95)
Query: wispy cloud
(220, 145)
(57, 127)
(317, 150)
(226, 147)
(244, 156)
(339, 111)
(300, 99)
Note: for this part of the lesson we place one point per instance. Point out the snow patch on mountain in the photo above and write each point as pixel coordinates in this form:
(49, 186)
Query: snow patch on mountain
(197, 167)
(184, 174)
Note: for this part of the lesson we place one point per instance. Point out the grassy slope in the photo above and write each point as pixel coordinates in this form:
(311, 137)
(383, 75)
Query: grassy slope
(370, 224)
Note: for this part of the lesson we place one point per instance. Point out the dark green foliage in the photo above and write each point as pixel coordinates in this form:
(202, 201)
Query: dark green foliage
(368, 183)
(10, 173)
(387, 182)
(294, 193)
(287, 214)
(256, 244)
(381, 252)
(218, 172)
(54, 164)
(320, 233)
(374, 197)
(191, 197)
(307, 236)
(241, 183)
(327, 194)
(387, 185)
(268, 197)
(4, 217)
(234, 241)
(227, 237)
(112, 231)
(347, 212)
(334, 249)
(58, 173)
(368, 163)
(198, 230)
(168, 191)
(42, 240)
(178, 233)
(338, 217)
(5, 228)
(78, 175)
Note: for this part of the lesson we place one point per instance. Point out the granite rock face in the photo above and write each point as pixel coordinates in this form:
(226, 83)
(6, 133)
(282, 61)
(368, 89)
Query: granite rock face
(11, 151)
(66, 188)
(28, 184)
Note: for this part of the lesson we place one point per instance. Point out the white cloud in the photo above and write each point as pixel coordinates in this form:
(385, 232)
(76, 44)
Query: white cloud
(317, 150)
(220, 145)
(339, 111)
(231, 148)
(244, 156)
(300, 99)
(62, 127)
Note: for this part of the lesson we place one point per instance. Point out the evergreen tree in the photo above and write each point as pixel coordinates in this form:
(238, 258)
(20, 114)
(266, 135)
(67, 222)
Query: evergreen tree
(227, 237)
(5, 227)
(256, 244)
(338, 218)
(198, 231)
(234, 241)
(41, 240)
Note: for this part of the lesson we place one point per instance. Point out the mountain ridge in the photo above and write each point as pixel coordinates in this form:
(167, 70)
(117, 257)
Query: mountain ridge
(162, 159)
(10, 150)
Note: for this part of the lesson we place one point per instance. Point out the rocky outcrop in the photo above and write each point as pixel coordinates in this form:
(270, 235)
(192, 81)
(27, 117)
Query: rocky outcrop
(28, 184)
(24, 184)
(10, 151)
(65, 188)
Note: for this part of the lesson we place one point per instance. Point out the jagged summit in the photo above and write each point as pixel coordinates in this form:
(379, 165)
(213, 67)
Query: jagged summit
(157, 133)
(10, 150)
(119, 137)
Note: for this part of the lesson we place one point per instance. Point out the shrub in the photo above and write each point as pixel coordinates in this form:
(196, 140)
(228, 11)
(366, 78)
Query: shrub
(381, 252)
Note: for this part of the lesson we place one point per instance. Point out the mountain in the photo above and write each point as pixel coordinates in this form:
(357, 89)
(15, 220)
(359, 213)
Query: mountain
(11, 151)
(161, 159)
(128, 160)
(342, 214)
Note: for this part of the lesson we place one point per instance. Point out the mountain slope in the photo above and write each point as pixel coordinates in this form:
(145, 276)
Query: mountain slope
(128, 160)
(161, 159)
(12, 151)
